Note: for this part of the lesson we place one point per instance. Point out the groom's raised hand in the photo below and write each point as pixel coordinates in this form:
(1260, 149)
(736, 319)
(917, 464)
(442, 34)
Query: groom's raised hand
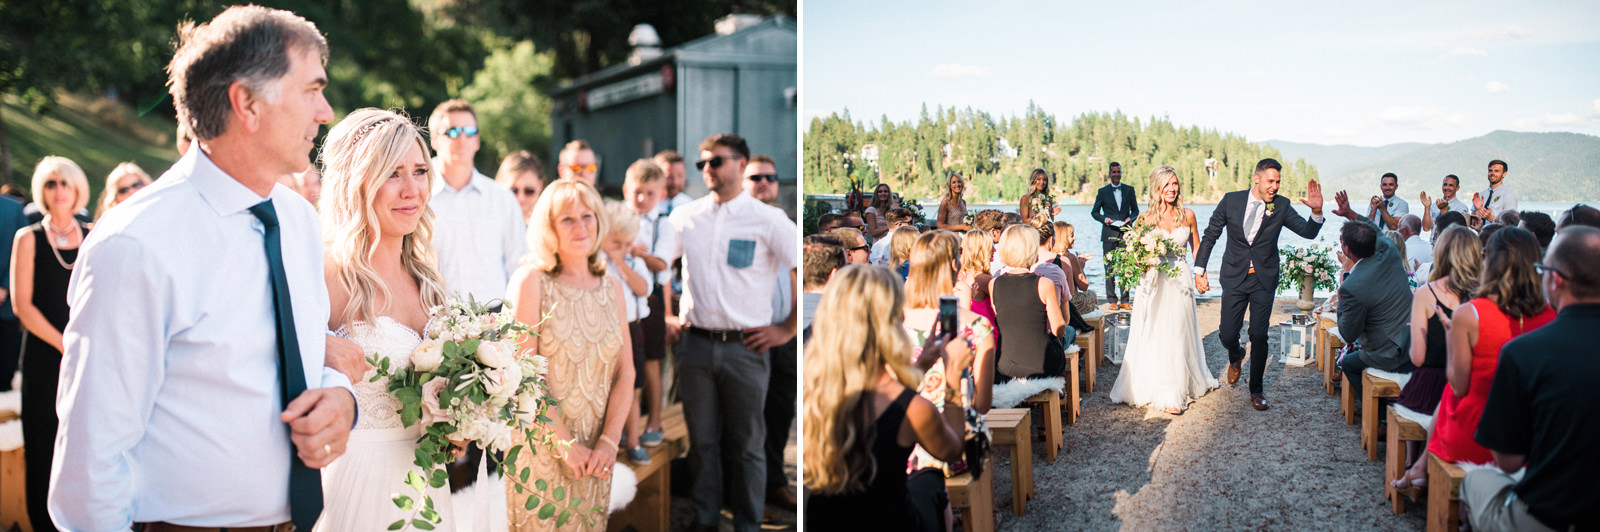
(1313, 197)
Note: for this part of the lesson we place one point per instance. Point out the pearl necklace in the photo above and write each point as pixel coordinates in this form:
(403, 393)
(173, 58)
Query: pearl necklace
(56, 240)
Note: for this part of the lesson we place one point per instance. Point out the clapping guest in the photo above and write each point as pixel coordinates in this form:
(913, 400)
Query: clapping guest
(523, 174)
(579, 315)
(1028, 310)
(1374, 300)
(1446, 203)
(952, 207)
(1539, 412)
(123, 181)
(863, 415)
(42, 258)
(1506, 305)
(1388, 208)
(1457, 260)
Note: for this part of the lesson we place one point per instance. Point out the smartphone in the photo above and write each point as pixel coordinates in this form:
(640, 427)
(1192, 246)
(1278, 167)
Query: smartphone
(947, 314)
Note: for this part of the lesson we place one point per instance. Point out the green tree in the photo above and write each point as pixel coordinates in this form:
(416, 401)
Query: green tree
(514, 113)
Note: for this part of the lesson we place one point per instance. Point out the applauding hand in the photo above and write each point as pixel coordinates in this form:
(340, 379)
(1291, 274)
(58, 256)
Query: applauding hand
(1424, 198)
(1342, 200)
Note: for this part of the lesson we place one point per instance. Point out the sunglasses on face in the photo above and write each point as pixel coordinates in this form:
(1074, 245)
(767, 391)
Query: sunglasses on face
(773, 178)
(525, 191)
(582, 168)
(459, 131)
(55, 184)
(129, 188)
(714, 162)
(861, 248)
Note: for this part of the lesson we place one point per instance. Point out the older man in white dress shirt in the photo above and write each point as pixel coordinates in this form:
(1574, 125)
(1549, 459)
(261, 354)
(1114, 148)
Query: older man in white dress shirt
(193, 393)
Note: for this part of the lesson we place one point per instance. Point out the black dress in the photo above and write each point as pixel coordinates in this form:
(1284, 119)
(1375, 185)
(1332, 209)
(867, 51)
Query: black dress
(1426, 387)
(41, 372)
(883, 505)
(1029, 349)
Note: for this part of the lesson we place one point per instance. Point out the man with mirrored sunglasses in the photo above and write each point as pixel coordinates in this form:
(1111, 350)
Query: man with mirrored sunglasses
(577, 161)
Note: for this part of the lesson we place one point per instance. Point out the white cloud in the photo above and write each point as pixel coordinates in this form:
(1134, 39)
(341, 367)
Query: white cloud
(1548, 120)
(1495, 87)
(952, 71)
(1341, 132)
(1511, 32)
(1420, 117)
(1467, 52)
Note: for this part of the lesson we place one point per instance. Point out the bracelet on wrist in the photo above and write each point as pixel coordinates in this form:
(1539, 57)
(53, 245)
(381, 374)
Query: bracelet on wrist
(608, 439)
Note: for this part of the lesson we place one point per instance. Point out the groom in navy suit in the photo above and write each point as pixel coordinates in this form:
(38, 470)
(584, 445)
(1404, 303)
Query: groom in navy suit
(1249, 276)
(1114, 207)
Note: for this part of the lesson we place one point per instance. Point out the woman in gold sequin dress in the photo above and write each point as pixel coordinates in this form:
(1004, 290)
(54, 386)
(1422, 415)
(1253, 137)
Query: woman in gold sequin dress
(578, 312)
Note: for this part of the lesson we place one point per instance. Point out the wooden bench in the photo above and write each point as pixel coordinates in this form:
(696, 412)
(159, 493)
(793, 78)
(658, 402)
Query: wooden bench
(651, 508)
(1401, 430)
(1050, 402)
(1444, 495)
(1329, 346)
(13, 486)
(1010, 426)
(1092, 345)
(1074, 359)
(973, 498)
(1372, 389)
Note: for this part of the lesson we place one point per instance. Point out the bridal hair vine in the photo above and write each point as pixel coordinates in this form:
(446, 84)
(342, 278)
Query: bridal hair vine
(362, 133)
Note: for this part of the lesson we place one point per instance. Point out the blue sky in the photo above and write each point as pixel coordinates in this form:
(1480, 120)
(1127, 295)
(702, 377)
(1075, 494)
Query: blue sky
(1362, 73)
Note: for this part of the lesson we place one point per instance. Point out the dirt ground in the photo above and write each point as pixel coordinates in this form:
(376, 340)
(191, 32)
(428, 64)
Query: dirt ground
(1220, 466)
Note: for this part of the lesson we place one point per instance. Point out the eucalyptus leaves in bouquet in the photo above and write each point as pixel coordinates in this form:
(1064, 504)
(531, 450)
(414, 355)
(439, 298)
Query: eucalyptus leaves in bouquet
(1143, 248)
(466, 383)
(1299, 263)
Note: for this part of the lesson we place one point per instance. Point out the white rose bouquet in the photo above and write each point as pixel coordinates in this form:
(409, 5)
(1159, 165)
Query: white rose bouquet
(466, 383)
(1143, 248)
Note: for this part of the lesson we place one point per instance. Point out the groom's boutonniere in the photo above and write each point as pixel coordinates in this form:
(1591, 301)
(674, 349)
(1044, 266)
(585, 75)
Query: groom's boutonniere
(1271, 206)
(1388, 204)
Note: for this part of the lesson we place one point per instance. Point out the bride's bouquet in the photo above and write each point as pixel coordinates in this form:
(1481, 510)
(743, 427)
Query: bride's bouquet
(466, 383)
(1308, 263)
(1143, 248)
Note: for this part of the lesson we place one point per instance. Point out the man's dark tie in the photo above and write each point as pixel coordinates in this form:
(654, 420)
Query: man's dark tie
(305, 483)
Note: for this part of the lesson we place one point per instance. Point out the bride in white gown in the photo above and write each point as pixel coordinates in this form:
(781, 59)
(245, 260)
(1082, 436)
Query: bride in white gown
(382, 279)
(1165, 367)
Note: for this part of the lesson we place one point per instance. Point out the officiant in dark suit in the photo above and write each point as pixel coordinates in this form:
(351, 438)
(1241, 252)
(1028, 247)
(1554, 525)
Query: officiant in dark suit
(1115, 207)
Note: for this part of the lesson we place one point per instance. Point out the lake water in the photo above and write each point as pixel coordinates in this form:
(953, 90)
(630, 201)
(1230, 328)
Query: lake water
(1088, 234)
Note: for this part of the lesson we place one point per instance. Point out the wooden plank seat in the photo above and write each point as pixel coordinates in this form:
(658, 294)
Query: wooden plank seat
(1010, 426)
(652, 505)
(13, 485)
(1092, 345)
(1401, 430)
(1373, 388)
(1050, 403)
(973, 498)
(1444, 495)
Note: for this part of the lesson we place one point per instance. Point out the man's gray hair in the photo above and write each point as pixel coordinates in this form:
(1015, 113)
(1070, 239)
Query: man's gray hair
(1411, 223)
(248, 44)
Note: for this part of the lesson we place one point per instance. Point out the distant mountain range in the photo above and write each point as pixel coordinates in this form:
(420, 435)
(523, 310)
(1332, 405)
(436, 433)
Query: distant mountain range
(1544, 166)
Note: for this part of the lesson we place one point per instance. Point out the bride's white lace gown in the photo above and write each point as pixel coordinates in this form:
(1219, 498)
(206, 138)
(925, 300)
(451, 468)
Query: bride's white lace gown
(1165, 364)
(356, 487)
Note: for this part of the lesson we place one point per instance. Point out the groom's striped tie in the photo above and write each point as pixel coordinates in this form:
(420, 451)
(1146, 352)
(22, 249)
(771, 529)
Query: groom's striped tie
(305, 483)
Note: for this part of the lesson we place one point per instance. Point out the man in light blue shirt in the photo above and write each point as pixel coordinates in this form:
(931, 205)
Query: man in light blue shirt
(193, 391)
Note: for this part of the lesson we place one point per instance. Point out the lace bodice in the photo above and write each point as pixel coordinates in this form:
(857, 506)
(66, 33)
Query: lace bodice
(388, 339)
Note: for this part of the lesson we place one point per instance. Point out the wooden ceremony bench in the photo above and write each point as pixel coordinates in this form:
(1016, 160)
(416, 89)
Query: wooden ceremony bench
(13, 486)
(973, 498)
(1401, 430)
(651, 508)
(1372, 389)
(1010, 426)
(1444, 495)
(1092, 345)
(1050, 402)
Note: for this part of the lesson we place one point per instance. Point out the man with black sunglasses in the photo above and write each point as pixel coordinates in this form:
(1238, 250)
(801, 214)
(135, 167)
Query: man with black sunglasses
(761, 179)
(732, 246)
(761, 182)
(478, 228)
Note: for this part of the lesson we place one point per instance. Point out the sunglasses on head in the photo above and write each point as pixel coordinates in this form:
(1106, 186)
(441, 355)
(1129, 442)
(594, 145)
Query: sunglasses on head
(459, 131)
(129, 188)
(525, 191)
(773, 178)
(582, 168)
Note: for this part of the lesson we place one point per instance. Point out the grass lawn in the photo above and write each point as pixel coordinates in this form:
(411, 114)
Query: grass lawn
(95, 133)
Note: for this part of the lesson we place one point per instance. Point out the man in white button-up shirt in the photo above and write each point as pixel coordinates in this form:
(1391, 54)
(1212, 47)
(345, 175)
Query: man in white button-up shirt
(733, 246)
(478, 229)
(171, 404)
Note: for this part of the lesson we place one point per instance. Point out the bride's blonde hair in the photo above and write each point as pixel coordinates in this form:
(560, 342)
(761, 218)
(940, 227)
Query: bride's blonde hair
(857, 335)
(1158, 180)
(360, 153)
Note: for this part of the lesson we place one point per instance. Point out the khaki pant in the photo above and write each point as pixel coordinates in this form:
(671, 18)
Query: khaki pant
(1492, 506)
